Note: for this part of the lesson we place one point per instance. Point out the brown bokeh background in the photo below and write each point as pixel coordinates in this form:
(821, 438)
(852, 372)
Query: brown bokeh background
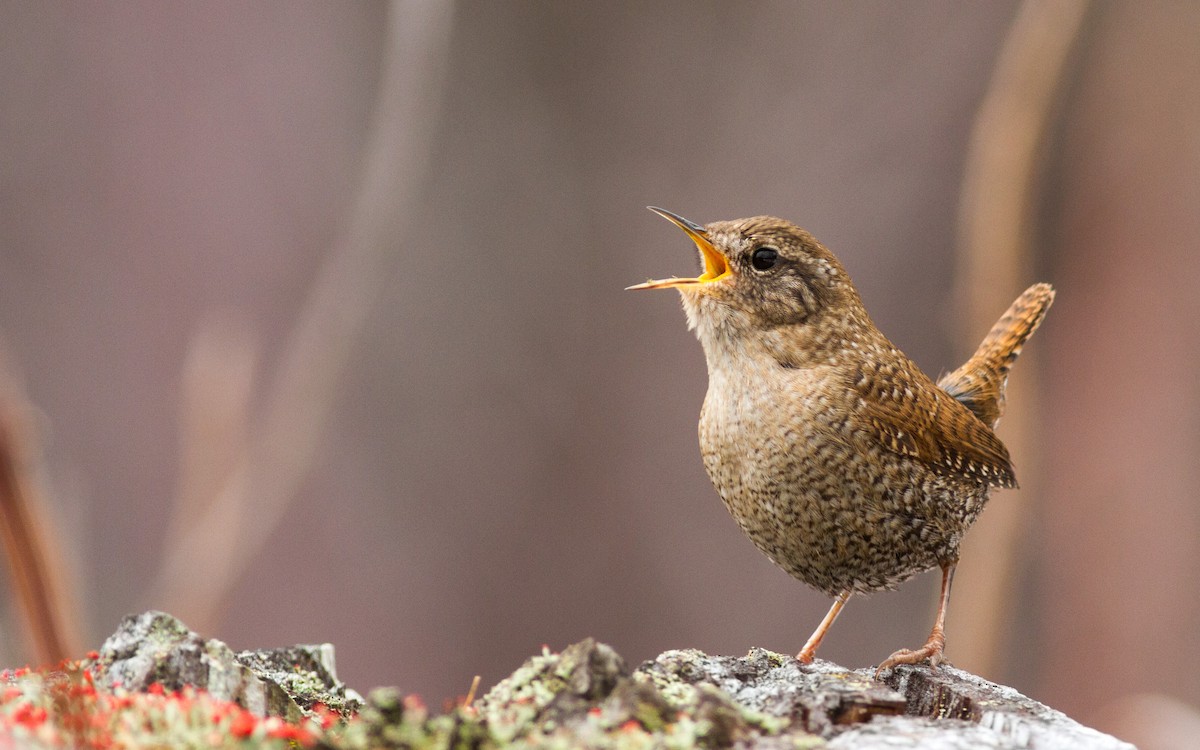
(509, 456)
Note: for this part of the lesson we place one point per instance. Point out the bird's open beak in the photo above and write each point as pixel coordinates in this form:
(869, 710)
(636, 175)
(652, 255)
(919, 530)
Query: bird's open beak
(716, 267)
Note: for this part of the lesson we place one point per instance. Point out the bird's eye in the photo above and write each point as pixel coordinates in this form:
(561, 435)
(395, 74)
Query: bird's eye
(764, 258)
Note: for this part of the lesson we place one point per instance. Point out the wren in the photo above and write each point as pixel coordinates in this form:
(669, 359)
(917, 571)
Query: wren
(839, 458)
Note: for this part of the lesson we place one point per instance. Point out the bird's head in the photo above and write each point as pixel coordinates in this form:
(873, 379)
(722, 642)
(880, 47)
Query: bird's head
(760, 273)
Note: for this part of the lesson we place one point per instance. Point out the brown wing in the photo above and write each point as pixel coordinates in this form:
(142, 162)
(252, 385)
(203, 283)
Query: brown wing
(907, 414)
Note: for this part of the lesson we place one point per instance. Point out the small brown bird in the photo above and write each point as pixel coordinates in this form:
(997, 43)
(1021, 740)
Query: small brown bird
(842, 461)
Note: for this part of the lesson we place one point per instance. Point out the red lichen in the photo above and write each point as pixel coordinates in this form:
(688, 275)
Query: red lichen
(243, 724)
(64, 708)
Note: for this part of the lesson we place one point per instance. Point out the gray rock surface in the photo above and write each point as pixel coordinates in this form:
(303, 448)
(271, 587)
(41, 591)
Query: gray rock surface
(587, 697)
(155, 648)
(584, 696)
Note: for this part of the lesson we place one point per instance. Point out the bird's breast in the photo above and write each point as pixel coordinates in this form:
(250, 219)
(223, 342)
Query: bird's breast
(759, 428)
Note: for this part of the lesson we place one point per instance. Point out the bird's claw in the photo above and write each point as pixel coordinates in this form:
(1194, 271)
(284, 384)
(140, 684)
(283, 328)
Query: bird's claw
(931, 651)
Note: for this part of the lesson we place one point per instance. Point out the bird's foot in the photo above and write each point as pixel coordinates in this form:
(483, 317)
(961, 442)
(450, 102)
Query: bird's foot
(931, 651)
(810, 649)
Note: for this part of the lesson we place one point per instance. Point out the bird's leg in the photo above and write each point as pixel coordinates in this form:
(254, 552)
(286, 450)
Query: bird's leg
(810, 648)
(932, 650)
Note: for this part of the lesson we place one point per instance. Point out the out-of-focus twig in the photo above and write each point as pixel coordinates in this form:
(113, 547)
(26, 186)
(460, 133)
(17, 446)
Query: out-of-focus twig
(200, 570)
(218, 379)
(997, 224)
(35, 567)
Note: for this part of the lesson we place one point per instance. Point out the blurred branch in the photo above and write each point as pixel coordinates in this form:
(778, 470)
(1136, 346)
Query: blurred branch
(997, 221)
(36, 568)
(218, 379)
(199, 572)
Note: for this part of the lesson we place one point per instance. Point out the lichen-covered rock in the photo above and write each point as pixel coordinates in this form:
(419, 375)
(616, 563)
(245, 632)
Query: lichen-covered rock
(307, 673)
(552, 688)
(587, 698)
(773, 691)
(390, 721)
(156, 648)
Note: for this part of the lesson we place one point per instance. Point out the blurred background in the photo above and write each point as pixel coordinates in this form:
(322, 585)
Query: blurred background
(318, 312)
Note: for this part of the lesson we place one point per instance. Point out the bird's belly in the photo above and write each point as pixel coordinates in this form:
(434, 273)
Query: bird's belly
(828, 513)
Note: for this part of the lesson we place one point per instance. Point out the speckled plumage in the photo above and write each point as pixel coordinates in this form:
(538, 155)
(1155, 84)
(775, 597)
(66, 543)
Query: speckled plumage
(843, 462)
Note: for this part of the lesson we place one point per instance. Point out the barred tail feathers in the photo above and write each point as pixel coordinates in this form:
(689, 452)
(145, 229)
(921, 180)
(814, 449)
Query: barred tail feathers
(979, 384)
